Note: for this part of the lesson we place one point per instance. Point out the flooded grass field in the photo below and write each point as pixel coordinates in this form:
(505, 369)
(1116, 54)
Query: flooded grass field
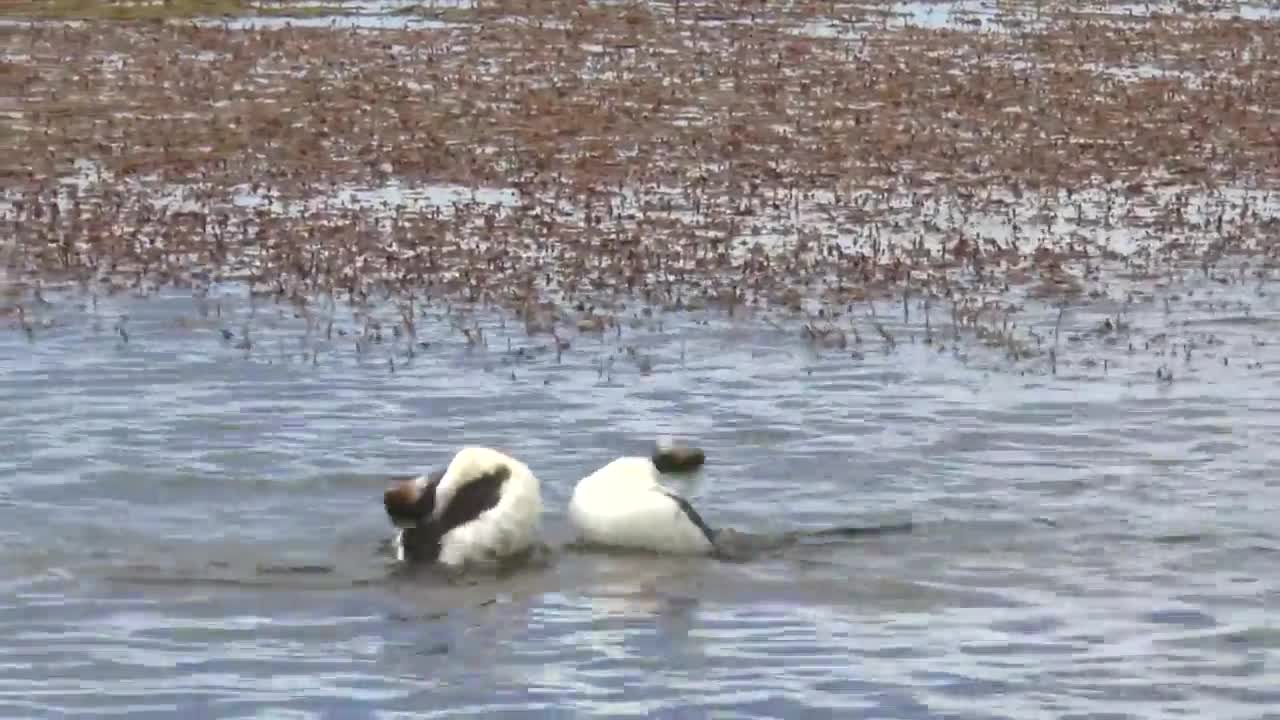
(1005, 271)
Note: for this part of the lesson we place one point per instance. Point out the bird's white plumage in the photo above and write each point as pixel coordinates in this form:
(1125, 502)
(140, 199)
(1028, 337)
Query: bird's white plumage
(397, 546)
(508, 528)
(624, 505)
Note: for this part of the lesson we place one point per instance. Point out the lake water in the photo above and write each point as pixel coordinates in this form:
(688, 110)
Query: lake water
(190, 524)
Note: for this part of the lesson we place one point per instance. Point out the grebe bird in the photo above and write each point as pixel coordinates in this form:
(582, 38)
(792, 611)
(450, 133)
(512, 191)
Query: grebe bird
(485, 506)
(624, 505)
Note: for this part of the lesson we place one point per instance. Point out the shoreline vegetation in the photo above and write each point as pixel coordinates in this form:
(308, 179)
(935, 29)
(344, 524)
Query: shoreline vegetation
(957, 162)
(127, 10)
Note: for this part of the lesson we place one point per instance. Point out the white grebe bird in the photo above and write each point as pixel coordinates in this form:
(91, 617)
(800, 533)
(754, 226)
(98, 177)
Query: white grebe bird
(624, 505)
(485, 506)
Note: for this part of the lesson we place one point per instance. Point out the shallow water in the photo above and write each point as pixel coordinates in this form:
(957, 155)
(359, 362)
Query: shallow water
(192, 522)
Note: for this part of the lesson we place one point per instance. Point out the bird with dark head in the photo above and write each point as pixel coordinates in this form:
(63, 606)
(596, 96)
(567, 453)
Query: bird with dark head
(625, 505)
(484, 507)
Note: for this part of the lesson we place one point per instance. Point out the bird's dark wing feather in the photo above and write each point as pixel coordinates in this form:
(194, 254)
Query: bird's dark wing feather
(693, 516)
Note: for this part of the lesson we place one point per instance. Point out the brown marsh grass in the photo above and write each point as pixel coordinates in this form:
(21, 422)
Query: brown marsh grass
(805, 158)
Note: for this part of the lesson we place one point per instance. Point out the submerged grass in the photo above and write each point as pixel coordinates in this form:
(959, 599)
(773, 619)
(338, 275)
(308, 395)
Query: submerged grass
(584, 166)
(161, 9)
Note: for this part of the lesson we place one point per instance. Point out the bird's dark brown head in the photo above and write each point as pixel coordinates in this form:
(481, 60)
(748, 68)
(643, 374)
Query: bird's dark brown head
(411, 500)
(677, 459)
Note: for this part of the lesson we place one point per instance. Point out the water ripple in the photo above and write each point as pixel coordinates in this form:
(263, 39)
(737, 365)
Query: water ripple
(191, 529)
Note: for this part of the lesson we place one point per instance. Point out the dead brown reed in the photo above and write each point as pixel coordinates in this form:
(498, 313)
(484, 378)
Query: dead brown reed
(804, 157)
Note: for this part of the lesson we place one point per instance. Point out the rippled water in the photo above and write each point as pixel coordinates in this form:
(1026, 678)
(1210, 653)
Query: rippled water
(191, 522)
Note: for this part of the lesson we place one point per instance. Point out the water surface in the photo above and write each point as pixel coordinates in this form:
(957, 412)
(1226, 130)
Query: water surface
(190, 519)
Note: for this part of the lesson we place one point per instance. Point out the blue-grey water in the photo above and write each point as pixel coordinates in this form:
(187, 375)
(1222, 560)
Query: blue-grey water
(190, 524)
